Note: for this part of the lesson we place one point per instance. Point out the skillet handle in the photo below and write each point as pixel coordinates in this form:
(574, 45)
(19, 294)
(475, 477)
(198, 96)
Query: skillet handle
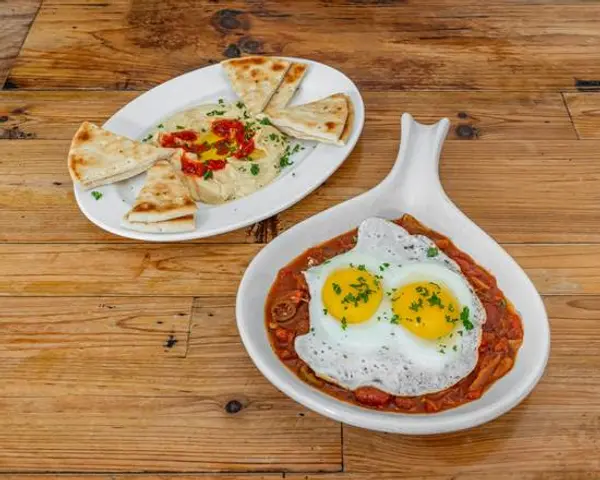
(416, 170)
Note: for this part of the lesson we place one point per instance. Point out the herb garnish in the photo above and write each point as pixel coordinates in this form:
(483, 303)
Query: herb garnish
(180, 127)
(160, 125)
(415, 306)
(240, 105)
(435, 300)
(395, 319)
(215, 112)
(147, 137)
(265, 121)
(336, 288)
(344, 323)
(432, 252)
(96, 195)
(464, 316)
(208, 174)
(324, 311)
(423, 291)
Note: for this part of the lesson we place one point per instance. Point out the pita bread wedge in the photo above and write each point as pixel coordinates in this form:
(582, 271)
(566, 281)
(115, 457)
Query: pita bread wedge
(323, 120)
(175, 225)
(255, 79)
(163, 197)
(288, 87)
(98, 157)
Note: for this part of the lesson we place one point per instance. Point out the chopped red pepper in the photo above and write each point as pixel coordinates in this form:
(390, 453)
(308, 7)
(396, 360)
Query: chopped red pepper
(192, 167)
(216, 164)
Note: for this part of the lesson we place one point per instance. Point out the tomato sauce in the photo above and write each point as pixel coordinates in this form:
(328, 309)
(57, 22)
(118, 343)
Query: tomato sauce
(286, 314)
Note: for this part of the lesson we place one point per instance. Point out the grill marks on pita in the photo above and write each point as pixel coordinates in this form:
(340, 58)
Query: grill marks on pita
(287, 88)
(163, 204)
(255, 79)
(98, 157)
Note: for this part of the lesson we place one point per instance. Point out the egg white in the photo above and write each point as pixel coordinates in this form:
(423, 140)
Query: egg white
(377, 352)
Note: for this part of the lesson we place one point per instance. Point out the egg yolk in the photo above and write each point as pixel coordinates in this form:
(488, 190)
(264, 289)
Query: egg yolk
(427, 309)
(351, 295)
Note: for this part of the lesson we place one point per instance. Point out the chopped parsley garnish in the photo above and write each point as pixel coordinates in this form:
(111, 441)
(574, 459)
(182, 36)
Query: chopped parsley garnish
(432, 252)
(221, 102)
(147, 137)
(254, 169)
(336, 288)
(450, 307)
(464, 316)
(324, 311)
(423, 291)
(265, 121)
(284, 161)
(435, 300)
(312, 329)
(180, 127)
(362, 268)
(215, 112)
(208, 174)
(418, 319)
(344, 323)
(415, 306)
(383, 266)
(160, 125)
(460, 332)
(395, 319)
(96, 195)
(449, 319)
(240, 105)
(455, 348)
(435, 285)
(442, 351)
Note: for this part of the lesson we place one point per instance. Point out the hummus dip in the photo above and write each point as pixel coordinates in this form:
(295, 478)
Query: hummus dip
(225, 154)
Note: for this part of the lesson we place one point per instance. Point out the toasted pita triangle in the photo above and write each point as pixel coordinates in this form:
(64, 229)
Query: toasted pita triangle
(255, 79)
(98, 157)
(175, 225)
(323, 120)
(163, 197)
(288, 87)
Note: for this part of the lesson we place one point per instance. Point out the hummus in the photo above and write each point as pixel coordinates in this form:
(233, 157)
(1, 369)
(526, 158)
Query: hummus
(225, 154)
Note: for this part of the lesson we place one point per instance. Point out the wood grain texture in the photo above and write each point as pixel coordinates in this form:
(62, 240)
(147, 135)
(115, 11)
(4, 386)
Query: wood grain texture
(15, 17)
(554, 431)
(53, 115)
(572, 475)
(518, 191)
(585, 112)
(204, 271)
(130, 327)
(500, 45)
(91, 409)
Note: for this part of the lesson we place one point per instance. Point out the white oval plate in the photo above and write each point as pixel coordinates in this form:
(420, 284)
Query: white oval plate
(413, 186)
(311, 167)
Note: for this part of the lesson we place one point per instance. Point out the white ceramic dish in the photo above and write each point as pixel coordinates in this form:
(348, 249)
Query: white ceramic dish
(413, 186)
(311, 167)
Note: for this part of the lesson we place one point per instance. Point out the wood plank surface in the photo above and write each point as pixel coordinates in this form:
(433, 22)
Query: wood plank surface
(128, 327)
(15, 17)
(122, 361)
(214, 270)
(554, 431)
(52, 115)
(537, 188)
(129, 44)
(585, 112)
(93, 409)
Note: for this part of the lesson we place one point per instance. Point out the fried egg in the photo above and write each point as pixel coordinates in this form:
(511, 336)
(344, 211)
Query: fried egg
(393, 313)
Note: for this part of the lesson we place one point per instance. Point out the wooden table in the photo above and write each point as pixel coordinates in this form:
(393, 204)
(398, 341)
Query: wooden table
(119, 357)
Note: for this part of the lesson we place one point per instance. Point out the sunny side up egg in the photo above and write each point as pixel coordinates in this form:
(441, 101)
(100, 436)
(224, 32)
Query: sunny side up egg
(393, 313)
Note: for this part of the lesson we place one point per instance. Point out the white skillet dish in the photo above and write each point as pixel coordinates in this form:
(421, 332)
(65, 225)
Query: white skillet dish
(311, 167)
(413, 186)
